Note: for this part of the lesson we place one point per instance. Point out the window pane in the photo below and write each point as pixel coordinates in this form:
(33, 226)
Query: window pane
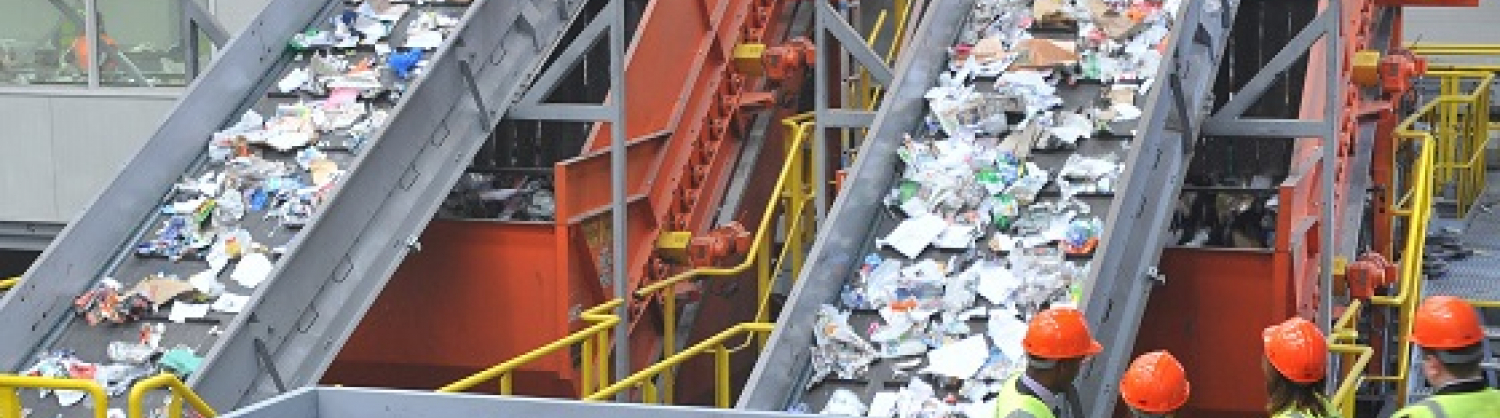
(36, 41)
(144, 43)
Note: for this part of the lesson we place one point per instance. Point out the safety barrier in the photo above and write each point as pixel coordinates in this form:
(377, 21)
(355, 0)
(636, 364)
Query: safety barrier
(722, 387)
(595, 355)
(1460, 123)
(6, 284)
(793, 194)
(180, 393)
(1342, 343)
(1415, 205)
(10, 400)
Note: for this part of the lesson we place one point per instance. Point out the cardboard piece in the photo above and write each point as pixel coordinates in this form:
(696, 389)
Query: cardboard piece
(1050, 12)
(988, 50)
(1046, 53)
(1115, 24)
(159, 290)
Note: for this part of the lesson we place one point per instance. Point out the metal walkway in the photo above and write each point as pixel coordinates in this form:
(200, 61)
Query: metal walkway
(1472, 277)
(1135, 216)
(331, 268)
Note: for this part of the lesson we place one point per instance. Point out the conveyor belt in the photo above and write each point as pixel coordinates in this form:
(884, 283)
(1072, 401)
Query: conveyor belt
(333, 267)
(1134, 230)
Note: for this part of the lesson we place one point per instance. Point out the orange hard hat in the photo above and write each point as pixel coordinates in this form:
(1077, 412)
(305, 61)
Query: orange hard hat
(1155, 383)
(1060, 333)
(1297, 349)
(1446, 323)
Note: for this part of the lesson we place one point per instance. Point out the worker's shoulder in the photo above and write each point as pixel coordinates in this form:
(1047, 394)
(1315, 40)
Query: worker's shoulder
(1416, 410)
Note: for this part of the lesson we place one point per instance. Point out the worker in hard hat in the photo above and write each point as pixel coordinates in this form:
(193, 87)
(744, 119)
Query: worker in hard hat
(1450, 334)
(1295, 364)
(1057, 342)
(1155, 385)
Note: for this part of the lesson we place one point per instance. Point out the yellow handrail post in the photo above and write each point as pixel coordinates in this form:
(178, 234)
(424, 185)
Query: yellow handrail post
(10, 403)
(721, 373)
(586, 368)
(648, 392)
(506, 387)
(669, 341)
(136, 406)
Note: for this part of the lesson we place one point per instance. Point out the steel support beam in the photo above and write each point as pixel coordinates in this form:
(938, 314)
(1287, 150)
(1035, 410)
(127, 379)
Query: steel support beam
(851, 41)
(1125, 269)
(563, 112)
(546, 83)
(1279, 64)
(195, 20)
(617, 170)
(204, 21)
(28, 236)
(842, 118)
(828, 21)
(1265, 128)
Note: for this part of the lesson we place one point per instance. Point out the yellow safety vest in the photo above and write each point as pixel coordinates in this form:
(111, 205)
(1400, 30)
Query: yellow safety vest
(1481, 403)
(1014, 404)
(1297, 413)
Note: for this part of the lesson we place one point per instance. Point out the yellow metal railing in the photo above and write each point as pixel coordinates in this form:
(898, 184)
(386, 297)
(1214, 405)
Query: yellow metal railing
(1356, 359)
(1424, 48)
(180, 394)
(1461, 125)
(6, 284)
(595, 355)
(722, 396)
(1416, 207)
(10, 400)
(794, 193)
(791, 198)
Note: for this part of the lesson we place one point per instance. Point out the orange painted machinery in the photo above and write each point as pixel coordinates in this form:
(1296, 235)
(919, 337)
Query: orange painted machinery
(483, 291)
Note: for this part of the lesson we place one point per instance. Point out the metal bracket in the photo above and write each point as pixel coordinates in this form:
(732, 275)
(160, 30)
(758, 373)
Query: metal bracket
(829, 20)
(195, 20)
(844, 118)
(468, 74)
(1230, 121)
(269, 365)
(532, 104)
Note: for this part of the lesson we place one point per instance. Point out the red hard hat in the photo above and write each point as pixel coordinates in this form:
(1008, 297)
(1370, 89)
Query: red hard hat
(1446, 323)
(1155, 383)
(1297, 349)
(1059, 333)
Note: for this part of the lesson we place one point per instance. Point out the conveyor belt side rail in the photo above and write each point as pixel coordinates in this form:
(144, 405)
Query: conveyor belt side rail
(1125, 270)
(837, 251)
(345, 255)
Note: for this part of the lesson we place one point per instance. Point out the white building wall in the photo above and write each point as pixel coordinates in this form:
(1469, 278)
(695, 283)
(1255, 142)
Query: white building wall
(60, 145)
